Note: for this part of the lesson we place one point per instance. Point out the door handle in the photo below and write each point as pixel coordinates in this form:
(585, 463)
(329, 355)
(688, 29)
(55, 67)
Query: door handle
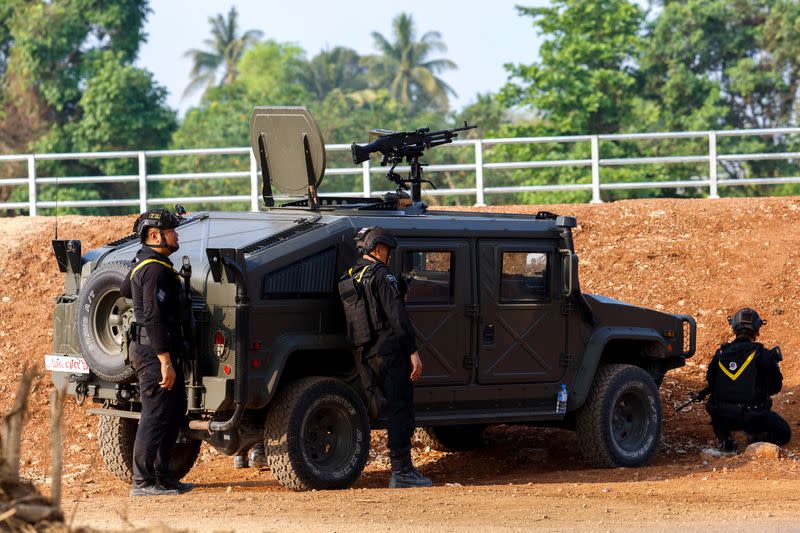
(488, 334)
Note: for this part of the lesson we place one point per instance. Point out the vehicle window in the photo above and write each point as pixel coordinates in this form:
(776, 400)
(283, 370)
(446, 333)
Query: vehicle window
(430, 276)
(524, 277)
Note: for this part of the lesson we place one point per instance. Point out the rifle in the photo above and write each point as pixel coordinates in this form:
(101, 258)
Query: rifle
(396, 146)
(694, 397)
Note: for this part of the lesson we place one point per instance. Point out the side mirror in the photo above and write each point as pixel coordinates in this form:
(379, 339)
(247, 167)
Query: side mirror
(568, 269)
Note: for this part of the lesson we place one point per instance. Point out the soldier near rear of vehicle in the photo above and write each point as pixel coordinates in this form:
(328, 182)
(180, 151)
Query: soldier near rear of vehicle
(741, 378)
(380, 331)
(157, 348)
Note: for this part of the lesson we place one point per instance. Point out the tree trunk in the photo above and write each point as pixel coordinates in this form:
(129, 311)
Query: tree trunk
(12, 430)
(56, 413)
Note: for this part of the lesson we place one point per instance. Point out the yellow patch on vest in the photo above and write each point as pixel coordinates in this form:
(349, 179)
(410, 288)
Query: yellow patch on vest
(741, 369)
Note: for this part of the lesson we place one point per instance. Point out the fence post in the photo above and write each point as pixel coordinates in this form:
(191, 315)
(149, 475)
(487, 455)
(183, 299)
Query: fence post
(712, 165)
(596, 170)
(31, 185)
(253, 183)
(365, 178)
(142, 182)
(480, 199)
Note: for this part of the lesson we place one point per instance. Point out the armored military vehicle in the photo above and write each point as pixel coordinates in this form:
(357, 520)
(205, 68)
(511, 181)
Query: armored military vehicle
(495, 301)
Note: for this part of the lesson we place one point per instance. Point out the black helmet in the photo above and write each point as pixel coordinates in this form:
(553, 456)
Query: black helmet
(154, 218)
(746, 320)
(368, 238)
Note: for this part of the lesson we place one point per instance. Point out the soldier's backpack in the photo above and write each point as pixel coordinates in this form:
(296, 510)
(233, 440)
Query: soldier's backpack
(360, 330)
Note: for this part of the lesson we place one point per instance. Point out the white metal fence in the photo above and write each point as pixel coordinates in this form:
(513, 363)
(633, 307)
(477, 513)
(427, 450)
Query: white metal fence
(481, 188)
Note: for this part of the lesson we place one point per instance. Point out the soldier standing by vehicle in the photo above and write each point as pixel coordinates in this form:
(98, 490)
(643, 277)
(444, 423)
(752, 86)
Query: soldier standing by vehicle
(380, 330)
(156, 349)
(741, 378)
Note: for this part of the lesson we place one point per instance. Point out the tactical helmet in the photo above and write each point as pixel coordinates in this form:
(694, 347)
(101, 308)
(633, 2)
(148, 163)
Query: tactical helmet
(154, 218)
(746, 320)
(368, 238)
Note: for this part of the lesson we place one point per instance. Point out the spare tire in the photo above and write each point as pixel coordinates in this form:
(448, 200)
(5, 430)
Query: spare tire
(103, 317)
(116, 436)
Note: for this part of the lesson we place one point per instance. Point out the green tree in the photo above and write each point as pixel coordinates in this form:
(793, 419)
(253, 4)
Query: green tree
(223, 51)
(5, 35)
(723, 63)
(404, 66)
(339, 68)
(719, 64)
(269, 74)
(69, 84)
(585, 80)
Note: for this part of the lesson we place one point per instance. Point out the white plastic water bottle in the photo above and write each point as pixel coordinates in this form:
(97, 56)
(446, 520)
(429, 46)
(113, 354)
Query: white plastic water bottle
(561, 400)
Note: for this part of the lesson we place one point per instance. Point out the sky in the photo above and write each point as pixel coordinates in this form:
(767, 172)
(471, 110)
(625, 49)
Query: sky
(481, 35)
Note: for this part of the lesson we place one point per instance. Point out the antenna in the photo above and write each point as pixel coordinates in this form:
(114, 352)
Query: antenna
(56, 237)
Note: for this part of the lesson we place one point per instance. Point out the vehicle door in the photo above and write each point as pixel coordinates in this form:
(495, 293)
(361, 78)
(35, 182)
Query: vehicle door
(522, 329)
(439, 290)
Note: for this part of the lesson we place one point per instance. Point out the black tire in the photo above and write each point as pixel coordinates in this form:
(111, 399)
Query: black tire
(102, 312)
(317, 435)
(116, 436)
(451, 438)
(620, 423)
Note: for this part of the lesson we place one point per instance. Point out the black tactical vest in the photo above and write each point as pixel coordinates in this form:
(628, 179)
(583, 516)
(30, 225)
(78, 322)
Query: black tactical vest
(736, 374)
(364, 315)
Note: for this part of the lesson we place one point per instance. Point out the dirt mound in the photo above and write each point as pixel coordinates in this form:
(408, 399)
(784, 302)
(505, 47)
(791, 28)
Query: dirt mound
(705, 258)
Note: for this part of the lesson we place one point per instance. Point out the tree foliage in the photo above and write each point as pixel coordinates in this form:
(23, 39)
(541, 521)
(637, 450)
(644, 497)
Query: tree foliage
(584, 80)
(691, 65)
(224, 50)
(69, 85)
(405, 68)
(339, 69)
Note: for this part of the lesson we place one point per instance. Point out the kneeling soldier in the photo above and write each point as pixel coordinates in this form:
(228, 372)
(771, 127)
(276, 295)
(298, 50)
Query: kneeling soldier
(741, 378)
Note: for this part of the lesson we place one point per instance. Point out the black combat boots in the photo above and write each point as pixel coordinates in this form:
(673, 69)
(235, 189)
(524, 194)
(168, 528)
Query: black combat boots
(173, 484)
(404, 475)
(257, 458)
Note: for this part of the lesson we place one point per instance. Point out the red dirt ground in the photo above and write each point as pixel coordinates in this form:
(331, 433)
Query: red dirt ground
(705, 258)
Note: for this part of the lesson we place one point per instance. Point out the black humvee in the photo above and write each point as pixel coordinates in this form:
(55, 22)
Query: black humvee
(495, 301)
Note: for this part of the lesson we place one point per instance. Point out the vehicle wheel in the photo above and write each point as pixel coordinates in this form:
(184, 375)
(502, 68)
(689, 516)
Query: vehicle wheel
(102, 315)
(620, 423)
(451, 438)
(317, 435)
(116, 436)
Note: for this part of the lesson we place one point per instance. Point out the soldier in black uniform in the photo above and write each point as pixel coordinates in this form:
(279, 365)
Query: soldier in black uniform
(384, 340)
(156, 349)
(741, 378)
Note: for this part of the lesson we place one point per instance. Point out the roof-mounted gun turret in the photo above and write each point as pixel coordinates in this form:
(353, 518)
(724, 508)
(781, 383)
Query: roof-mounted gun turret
(396, 146)
(290, 153)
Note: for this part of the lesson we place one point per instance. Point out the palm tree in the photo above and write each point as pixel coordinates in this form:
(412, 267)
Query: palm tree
(224, 50)
(405, 69)
(340, 68)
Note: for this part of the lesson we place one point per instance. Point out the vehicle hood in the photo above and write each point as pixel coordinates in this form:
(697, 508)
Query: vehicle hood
(610, 312)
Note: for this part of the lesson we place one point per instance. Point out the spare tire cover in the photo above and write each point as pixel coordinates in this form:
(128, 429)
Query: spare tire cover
(103, 317)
